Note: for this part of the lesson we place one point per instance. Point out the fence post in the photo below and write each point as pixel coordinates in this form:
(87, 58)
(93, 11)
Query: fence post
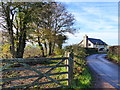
(66, 61)
(70, 68)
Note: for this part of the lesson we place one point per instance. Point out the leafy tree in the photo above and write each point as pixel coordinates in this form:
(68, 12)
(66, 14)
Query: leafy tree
(60, 39)
(41, 22)
(52, 22)
(17, 17)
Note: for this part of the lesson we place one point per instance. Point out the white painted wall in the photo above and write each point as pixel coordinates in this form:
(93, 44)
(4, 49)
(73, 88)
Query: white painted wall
(91, 44)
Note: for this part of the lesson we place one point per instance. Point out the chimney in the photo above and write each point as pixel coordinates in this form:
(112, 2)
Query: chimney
(85, 38)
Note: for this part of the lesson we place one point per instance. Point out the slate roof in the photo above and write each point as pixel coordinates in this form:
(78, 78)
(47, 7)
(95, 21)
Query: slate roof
(97, 41)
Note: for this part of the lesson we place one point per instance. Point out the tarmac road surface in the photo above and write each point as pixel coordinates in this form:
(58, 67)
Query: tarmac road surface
(108, 71)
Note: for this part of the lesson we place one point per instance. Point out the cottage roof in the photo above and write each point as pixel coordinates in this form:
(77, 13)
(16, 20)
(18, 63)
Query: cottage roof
(97, 41)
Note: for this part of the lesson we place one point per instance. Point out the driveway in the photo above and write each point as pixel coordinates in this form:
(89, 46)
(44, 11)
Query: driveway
(106, 70)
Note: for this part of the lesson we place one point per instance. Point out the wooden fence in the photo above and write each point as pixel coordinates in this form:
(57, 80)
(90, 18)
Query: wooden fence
(7, 66)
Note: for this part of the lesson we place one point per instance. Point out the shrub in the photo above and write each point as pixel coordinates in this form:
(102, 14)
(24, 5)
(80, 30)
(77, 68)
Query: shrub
(91, 50)
(58, 51)
(5, 51)
(114, 53)
(79, 51)
(82, 76)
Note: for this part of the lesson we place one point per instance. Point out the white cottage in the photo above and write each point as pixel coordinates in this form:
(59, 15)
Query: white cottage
(93, 43)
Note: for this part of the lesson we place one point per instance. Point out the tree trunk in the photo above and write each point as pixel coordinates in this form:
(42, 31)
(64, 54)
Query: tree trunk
(45, 48)
(41, 47)
(53, 47)
(60, 46)
(21, 46)
(10, 30)
(50, 48)
(12, 47)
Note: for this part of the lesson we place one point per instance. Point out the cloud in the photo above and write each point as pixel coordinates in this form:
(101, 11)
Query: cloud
(92, 10)
(95, 19)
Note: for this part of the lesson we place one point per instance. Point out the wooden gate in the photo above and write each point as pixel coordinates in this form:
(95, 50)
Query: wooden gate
(8, 65)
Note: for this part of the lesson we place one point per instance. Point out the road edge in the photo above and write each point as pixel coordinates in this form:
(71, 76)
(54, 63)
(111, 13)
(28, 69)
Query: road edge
(97, 81)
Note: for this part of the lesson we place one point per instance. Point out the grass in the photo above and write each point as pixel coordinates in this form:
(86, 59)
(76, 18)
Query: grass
(115, 58)
(82, 76)
(83, 80)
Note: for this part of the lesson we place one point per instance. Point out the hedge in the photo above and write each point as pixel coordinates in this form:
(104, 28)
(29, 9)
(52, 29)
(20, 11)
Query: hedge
(114, 51)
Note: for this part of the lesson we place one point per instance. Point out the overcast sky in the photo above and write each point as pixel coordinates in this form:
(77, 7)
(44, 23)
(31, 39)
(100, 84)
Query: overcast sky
(96, 19)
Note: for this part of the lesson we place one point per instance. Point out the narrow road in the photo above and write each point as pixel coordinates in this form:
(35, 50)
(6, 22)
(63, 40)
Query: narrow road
(106, 70)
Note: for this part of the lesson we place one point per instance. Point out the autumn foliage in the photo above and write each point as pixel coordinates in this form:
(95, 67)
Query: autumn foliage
(114, 53)
(115, 50)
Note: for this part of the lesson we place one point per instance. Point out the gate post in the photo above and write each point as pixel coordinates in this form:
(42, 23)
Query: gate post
(70, 68)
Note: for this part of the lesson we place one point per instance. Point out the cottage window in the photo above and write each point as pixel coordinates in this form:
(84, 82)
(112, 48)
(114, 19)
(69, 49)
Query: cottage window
(89, 44)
